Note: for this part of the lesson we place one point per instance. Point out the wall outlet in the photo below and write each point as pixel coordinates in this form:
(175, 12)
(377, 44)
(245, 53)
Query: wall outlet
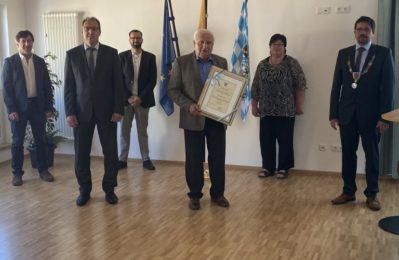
(322, 147)
(323, 10)
(345, 9)
(336, 148)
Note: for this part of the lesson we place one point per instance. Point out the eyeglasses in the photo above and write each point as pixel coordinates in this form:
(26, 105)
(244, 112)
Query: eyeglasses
(88, 28)
(367, 30)
(277, 44)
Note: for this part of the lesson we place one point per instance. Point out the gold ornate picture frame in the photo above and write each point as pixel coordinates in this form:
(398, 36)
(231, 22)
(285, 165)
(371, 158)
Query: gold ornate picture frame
(221, 95)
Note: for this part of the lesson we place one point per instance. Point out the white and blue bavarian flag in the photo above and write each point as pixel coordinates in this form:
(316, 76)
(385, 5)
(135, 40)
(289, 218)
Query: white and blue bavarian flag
(240, 58)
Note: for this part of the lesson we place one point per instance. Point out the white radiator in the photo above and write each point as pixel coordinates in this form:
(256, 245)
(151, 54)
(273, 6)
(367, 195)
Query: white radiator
(62, 32)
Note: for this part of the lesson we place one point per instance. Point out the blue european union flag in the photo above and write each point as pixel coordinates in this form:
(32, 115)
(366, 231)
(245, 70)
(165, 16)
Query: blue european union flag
(168, 56)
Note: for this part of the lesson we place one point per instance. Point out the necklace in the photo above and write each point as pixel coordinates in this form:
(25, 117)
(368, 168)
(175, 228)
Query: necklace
(357, 74)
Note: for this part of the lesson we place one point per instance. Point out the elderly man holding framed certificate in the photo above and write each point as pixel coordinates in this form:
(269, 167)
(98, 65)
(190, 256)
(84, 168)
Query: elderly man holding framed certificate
(188, 76)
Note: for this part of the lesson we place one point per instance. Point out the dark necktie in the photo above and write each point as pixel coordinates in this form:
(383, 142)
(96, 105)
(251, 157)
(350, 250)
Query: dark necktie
(91, 60)
(360, 50)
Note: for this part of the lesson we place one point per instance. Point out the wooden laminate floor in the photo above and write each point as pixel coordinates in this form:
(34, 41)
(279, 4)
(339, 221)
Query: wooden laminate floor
(268, 218)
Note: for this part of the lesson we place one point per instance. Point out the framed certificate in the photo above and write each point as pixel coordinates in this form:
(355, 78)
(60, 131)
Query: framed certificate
(221, 95)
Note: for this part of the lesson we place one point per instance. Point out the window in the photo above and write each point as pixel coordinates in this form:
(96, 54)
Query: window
(4, 52)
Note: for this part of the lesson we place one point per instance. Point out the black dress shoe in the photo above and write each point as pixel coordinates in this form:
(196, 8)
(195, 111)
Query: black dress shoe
(221, 202)
(46, 176)
(194, 204)
(111, 197)
(147, 164)
(17, 180)
(122, 165)
(82, 199)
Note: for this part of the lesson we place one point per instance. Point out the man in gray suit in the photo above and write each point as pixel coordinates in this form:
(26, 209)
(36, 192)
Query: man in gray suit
(188, 76)
(94, 97)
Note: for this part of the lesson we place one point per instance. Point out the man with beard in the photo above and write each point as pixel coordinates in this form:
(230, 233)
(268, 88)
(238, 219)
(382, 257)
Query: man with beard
(139, 77)
(362, 91)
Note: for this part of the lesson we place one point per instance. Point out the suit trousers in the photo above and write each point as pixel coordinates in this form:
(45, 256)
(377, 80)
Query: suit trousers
(215, 135)
(141, 114)
(83, 134)
(370, 137)
(37, 121)
(280, 129)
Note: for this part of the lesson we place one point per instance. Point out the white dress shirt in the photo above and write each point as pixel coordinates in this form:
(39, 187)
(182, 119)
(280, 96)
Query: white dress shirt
(136, 67)
(29, 72)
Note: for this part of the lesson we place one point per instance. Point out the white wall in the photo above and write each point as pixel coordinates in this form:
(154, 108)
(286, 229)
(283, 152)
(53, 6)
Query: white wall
(313, 39)
(14, 10)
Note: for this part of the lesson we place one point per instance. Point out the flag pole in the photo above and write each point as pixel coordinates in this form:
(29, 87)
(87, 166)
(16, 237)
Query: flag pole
(174, 35)
(206, 14)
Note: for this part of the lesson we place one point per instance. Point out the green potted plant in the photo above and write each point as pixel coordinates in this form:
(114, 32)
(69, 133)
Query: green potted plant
(53, 137)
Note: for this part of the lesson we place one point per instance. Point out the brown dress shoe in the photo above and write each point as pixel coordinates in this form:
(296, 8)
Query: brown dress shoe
(343, 198)
(194, 204)
(373, 204)
(221, 202)
(46, 176)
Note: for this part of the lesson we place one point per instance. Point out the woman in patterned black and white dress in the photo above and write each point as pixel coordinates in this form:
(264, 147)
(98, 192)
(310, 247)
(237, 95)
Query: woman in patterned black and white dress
(278, 92)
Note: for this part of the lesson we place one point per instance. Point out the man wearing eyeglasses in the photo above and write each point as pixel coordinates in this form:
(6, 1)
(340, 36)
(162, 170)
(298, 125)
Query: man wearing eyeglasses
(139, 78)
(362, 91)
(94, 97)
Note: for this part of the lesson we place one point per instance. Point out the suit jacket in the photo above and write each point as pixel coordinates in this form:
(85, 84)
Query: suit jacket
(147, 76)
(100, 95)
(185, 88)
(14, 85)
(374, 93)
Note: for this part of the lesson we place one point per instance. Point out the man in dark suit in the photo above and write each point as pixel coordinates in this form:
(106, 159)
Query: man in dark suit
(188, 76)
(28, 97)
(362, 91)
(94, 97)
(139, 78)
